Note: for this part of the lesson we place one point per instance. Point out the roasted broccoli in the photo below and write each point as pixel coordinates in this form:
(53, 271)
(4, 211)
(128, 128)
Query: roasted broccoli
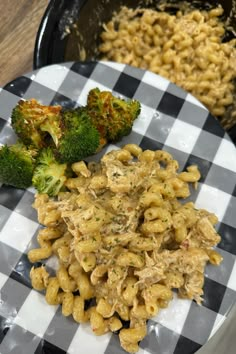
(17, 165)
(77, 133)
(79, 139)
(49, 175)
(112, 116)
(69, 132)
(51, 138)
(36, 125)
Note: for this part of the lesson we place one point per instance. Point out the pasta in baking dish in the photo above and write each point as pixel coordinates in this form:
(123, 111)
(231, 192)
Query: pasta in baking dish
(186, 48)
(124, 239)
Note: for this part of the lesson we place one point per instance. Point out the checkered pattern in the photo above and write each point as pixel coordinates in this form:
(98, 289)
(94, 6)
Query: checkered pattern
(172, 120)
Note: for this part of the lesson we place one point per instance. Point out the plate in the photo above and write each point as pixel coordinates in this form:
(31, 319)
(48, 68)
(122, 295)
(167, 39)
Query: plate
(171, 119)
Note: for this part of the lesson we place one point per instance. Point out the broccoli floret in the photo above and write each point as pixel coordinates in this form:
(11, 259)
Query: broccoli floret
(49, 175)
(17, 165)
(70, 133)
(112, 116)
(36, 124)
(80, 138)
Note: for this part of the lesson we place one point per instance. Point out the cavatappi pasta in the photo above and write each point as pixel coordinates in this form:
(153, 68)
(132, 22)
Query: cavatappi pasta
(124, 239)
(186, 48)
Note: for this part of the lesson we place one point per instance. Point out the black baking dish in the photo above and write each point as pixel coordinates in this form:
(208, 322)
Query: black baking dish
(54, 44)
(58, 41)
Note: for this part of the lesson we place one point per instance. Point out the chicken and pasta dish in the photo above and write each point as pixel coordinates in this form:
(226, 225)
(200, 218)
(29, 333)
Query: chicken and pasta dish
(186, 48)
(124, 240)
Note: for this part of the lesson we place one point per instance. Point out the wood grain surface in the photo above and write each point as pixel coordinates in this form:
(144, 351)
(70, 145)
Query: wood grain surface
(19, 22)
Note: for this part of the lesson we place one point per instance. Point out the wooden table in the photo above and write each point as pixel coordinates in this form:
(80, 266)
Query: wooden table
(19, 22)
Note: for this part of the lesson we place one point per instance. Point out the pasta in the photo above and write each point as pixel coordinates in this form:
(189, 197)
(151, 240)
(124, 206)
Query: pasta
(125, 242)
(186, 48)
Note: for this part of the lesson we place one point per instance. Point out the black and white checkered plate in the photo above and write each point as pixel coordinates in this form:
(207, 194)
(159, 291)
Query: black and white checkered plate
(171, 119)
